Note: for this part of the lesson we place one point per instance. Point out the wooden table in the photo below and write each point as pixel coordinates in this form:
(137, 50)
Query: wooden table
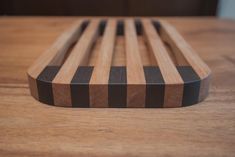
(29, 128)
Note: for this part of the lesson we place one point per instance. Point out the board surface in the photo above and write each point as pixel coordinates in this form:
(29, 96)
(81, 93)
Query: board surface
(30, 128)
(176, 76)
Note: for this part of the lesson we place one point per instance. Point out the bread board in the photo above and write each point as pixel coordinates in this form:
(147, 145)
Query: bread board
(119, 62)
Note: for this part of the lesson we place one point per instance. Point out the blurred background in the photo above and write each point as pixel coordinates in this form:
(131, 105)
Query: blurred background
(220, 8)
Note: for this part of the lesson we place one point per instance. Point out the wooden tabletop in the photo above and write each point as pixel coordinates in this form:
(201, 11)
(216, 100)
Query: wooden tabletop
(29, 128)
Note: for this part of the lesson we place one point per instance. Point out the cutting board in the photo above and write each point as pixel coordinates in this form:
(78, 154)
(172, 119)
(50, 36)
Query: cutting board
(119, 63)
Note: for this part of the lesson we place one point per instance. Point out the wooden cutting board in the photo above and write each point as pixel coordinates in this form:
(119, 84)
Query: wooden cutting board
(157, 68)
(30, 128)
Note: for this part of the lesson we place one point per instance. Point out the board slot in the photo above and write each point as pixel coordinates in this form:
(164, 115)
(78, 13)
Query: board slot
(84, 25)
(138, 27)
(120, 28)
(170, 53)
(60, 58)
(102, 27)
(119, 56)
(94, 52)
(147, 57)
(176, 57)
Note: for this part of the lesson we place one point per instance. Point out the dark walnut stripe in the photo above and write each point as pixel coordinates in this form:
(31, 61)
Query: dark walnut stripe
(80, 86)
(155, 87)
(191, 85)
(44, 84)
(117, 88)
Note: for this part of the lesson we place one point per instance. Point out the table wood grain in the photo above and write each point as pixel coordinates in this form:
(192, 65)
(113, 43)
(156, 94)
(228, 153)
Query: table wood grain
(29, 128)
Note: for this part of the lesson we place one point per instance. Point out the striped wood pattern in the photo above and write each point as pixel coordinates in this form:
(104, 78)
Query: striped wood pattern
(170, 74)
(100, 76)
(172, 79)
(78, 57)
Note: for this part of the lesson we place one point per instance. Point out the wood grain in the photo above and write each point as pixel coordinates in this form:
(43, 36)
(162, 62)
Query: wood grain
(78, 57)
(184, 50)
(135, 72)
(29, 128)
(100, 76)
(72, 87)
(53, 55)
(173, 81)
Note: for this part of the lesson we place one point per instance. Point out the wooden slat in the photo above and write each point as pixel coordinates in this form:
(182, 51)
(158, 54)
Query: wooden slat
(78, 57)
(100, 76)
(155, 87)
(117, 88)
(173, 81)
(181, 46)
(135, 72)
(58, 49)
(80, 87)
(44, 86)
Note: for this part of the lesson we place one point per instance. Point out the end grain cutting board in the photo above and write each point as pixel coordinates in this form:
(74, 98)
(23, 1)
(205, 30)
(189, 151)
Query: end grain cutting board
(119, 63)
